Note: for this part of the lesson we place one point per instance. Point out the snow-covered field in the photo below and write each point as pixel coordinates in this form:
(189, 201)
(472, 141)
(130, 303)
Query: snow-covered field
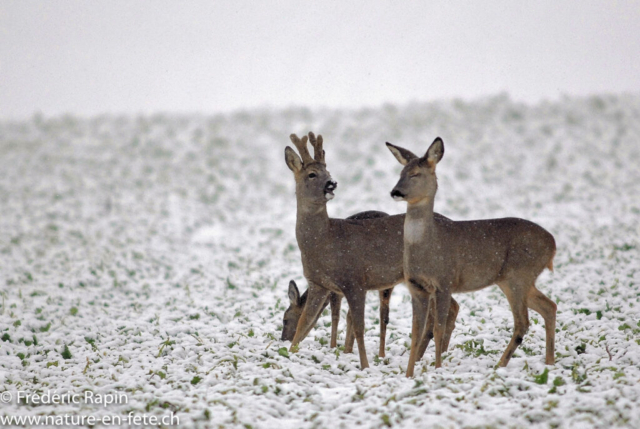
(150, 256)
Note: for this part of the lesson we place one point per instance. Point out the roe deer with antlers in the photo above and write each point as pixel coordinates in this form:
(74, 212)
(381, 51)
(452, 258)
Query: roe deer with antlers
(345, 257)
(442, 257)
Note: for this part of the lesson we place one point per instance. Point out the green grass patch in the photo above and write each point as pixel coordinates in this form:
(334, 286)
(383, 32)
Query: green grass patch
(475, 348)
(282, 351)
(542, 378)
(66, 353)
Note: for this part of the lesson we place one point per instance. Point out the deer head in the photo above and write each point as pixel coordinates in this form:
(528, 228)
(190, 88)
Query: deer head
(292, 314)
(314, 184)
(418, 180)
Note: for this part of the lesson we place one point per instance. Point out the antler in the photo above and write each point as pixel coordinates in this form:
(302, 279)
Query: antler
(318, 152)
(301, 145)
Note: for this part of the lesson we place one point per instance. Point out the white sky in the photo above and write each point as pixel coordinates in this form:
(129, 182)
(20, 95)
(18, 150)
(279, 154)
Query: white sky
(89, 57)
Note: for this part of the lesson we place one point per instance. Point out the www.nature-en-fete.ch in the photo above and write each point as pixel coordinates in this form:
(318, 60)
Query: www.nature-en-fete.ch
(89, 420)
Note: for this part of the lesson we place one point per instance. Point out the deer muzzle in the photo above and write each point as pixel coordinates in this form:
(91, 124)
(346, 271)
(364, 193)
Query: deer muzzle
(397, 195)
(329, 187)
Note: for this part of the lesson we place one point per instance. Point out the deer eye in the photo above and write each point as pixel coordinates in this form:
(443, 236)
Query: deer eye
(312, 175)
(415, 175)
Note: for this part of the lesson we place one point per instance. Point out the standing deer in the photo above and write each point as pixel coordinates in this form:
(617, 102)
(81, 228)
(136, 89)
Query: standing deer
(346, 257)
(297, 303)
(442, 257)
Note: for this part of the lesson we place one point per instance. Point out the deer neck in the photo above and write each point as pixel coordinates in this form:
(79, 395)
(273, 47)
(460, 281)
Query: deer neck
(419, 224)
(312, 224)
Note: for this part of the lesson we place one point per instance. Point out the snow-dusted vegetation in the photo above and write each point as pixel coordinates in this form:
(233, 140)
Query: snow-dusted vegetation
(150, 256)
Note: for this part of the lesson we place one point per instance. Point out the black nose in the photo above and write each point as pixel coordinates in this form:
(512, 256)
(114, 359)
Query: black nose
(331, 185)
(396, 193)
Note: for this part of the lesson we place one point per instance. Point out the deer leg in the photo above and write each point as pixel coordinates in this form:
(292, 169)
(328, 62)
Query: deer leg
(517, 298)
(420, 304)
(442, 304)
(385, 296)
(539, 303)
(356, 305)
(427, 334)
(336, 301)
(316, 300)
(350, 339)
(451, 323)
(326, 303)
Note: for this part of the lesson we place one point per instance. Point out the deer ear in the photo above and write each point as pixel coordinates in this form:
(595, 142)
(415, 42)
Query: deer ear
(292, 159)
(435, 152)
(294, 294)
(402, 155)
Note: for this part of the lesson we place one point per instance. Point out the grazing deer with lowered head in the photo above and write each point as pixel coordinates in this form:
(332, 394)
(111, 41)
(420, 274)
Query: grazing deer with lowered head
(345, 257)
(442, 257)
(298, 302)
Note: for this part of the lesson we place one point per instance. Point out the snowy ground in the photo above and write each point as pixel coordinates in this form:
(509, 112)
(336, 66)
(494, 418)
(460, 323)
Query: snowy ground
(151, 255)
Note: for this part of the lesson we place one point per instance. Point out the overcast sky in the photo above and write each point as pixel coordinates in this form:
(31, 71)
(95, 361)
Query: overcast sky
(90, 57)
